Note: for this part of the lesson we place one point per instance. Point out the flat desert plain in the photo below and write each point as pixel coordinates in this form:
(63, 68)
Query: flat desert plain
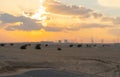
(97, 60)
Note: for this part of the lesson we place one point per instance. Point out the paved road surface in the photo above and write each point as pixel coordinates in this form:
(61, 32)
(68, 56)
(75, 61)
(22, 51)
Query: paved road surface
(47, 73)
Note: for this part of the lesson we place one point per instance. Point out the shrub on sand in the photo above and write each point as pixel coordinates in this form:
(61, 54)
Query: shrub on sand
(59, 49)
(29, 44)
(38, 46)
(46, 45)
(80, 45)
(23, 47)
(11, 44)
(2, 45)
(71, 45)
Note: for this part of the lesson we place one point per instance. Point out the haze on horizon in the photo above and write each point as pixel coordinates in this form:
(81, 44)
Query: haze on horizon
(46, 20)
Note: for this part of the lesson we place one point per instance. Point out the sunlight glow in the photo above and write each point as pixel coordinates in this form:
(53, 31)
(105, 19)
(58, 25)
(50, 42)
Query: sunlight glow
(40, 14)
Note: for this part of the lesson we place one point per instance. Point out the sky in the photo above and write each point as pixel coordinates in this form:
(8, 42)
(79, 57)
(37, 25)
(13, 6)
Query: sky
(52, 20)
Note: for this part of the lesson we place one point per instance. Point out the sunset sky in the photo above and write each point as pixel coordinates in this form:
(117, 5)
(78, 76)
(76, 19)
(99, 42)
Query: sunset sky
(52, 20)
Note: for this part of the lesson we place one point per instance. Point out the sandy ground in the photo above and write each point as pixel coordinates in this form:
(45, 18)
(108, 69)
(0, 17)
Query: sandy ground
(96, 61)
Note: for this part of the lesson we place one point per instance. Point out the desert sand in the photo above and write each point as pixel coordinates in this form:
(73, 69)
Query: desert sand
(96, 61)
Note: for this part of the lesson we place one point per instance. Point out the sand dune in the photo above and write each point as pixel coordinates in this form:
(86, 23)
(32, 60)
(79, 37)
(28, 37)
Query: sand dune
(94, 60)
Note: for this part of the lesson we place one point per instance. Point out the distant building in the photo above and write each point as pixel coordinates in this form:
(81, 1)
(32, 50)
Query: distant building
(65, 41)
(59, 41)
(46, 42)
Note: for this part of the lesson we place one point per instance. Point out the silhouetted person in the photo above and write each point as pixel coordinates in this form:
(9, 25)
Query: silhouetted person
(87, 45)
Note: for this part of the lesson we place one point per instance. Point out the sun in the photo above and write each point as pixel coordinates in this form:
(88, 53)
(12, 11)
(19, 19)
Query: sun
(40, 14)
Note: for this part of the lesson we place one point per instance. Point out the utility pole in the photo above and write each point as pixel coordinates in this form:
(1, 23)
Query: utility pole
(102, 41)
(92, 40)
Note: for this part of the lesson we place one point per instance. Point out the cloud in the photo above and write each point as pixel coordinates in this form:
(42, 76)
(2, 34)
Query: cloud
(110, 3)
(16, 7)
(95, 25)
(26, 24)
(77, 27)
(107, 19)
(53, 29)
(7, 18)
(58, 29)
(97, 15)
(115, 31)
(60, 17)
(117, 21)
(56, 7)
